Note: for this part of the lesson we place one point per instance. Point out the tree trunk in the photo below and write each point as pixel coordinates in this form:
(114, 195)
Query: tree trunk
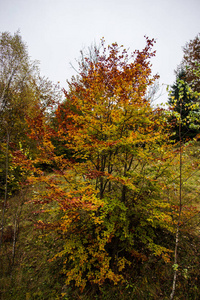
(180, 209)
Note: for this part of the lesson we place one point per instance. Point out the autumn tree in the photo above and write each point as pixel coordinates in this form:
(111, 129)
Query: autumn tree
(191, 62)
(108, 195)
(22, 91)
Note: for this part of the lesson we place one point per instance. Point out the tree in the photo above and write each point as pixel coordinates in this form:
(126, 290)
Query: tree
(22, 90)
(184, 102)
(191, 62)
(15, 71)
(108, 196)
(184, 94)
(14, 64)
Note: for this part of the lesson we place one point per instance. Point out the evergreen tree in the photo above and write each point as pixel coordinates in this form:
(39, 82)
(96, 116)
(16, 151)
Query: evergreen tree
(182, 101)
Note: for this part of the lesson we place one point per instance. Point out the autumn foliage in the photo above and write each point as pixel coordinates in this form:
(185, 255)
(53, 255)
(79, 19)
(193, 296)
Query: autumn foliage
(110, 193)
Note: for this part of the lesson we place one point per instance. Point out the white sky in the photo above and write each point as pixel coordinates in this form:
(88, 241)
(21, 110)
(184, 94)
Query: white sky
(56, 30)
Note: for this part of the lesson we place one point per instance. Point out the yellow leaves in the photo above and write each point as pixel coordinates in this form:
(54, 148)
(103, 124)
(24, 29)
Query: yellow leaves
(66, 222)
(122, 262)
(132, 138)
(166, 257)
(106, 193)
(160, 251)
(47, 145)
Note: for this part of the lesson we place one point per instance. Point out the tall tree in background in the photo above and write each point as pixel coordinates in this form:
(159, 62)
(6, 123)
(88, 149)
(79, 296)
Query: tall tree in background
(191, 63)
(22, 92)
(185, 103)
(184, 95)
(21, 86)
(15, 72)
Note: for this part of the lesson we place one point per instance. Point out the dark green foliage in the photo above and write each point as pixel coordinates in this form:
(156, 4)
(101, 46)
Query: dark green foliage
(180, 101)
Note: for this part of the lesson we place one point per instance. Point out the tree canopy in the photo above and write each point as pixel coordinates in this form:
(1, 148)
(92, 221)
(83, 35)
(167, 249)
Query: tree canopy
(191, 62)
(184, 97)
(113, 178)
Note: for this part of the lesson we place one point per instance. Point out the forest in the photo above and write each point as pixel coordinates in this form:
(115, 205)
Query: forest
(99, 188)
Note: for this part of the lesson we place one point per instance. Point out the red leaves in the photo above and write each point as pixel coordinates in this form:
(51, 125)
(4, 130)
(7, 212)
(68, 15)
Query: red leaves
(20, 159)
(139, 256)
(93, 174)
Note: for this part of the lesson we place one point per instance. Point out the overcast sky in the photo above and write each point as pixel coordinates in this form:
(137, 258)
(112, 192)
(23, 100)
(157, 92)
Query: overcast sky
(56, 30)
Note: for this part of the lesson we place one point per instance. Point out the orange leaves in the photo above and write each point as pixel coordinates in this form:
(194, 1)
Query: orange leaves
(106, 193)
(138, 255)
(109, 90)
(93, 174)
